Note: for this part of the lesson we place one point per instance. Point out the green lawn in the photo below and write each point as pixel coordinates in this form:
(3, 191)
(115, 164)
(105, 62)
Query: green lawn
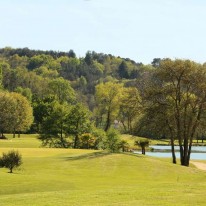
(62, 177)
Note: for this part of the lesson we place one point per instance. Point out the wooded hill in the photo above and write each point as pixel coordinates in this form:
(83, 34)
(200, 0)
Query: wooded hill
(38, 74)
(78, 97)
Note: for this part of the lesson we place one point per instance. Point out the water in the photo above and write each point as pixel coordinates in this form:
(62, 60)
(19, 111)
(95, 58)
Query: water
(194, 148)
(199, 155)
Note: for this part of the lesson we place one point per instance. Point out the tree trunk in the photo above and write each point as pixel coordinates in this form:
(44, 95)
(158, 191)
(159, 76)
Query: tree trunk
(173, 151)
(108, 121)
(76, 141)
(172, 143)
(14, 134)
(143, 150)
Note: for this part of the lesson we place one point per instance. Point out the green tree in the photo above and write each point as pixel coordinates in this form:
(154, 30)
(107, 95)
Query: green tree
(23, 113)
(130, 108)
(143, 143)
(26, 92)
(124, 146)
(11, 160)
(62, 90)
(53, 131)
(16, 112)
(108, 97)
(123, 70)
(78, 122)
(180, 95)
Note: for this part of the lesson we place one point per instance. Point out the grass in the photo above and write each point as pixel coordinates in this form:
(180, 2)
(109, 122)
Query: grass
(25, 141)
(85, 177)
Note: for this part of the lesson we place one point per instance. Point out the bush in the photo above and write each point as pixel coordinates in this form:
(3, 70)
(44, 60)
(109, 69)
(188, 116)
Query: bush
(11, 160)
(112, 140)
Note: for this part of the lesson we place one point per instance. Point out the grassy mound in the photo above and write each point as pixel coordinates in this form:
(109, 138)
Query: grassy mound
(85, 177)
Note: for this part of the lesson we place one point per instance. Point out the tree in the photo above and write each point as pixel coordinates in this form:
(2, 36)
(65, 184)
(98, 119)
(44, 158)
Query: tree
(179, 94)
(11, 160)
(124, 146)
(123, 70)
(16, 112)
(1, 78)
(143, 143)
(156, 62)
(23, 113)
(53, 130)
(62, 90)
(26, 92)
(130, 108)
(7, 108)
(41, 109)
(108, 97)
(78, 121)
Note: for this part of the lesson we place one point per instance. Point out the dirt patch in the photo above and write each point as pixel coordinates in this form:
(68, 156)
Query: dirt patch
(199, 165)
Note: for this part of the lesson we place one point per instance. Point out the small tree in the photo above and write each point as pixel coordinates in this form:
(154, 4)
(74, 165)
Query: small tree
(124, 146)
(11, 160)
(143, 144)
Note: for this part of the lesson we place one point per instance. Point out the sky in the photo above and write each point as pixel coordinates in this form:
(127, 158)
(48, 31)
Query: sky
(137, 29)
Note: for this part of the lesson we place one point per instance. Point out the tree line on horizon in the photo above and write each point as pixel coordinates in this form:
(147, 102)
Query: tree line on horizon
(83, 102)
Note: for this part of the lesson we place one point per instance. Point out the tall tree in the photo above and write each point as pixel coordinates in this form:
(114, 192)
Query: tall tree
(78, 122)
(53, 132)
(180, 88)
(108, 97)
(130, 108)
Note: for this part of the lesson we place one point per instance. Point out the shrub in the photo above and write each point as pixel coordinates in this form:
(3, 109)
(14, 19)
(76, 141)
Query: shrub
(112, 140)
(12, 159)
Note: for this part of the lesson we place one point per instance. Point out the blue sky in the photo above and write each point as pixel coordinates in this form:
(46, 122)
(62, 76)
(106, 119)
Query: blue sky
(136, 29)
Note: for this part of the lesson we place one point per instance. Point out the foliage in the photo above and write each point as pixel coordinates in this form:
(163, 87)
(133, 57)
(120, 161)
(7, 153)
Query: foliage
(177, 101)
(12, 159)
(16, 112)
(143, 143)
(113, 140)
(61, 90)
(54, 125)
(130, 108)
(108, 97)
(78, 123)
(124, 146)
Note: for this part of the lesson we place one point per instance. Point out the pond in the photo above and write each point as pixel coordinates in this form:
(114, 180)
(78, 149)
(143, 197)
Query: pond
(198, 152)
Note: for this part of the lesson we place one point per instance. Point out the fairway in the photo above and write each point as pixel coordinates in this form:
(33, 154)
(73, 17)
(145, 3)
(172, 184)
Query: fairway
(86, 177)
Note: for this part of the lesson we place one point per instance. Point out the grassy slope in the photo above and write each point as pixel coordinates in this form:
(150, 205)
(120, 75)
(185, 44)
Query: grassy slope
(85, 177)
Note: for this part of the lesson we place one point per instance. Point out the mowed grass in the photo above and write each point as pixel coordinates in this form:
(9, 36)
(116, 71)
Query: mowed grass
(62, 177)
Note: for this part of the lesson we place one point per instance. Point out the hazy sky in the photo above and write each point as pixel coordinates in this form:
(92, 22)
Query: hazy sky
(136, 29)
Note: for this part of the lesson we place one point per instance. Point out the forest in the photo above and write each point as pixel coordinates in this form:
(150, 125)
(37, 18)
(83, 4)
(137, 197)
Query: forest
(74, 102)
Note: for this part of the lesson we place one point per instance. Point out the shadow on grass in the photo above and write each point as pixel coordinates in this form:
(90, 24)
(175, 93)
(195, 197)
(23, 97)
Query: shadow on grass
(133, 154)
(89, 156)
(100, 154)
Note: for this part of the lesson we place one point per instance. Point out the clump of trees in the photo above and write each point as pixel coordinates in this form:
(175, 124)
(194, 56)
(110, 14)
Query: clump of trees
(11, 160)
(74, 98)
(176, 103)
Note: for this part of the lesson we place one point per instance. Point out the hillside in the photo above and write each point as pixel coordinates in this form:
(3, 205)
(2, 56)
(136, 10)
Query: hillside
(87, 177)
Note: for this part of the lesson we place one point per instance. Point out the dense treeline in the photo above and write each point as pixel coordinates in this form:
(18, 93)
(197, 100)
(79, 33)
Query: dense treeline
(73, 96)
(82, 102)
